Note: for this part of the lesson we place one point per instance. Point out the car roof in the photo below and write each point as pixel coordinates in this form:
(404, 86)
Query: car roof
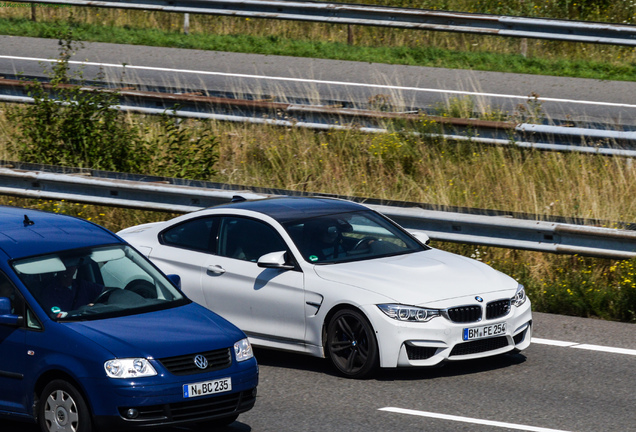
(287, 209)
(25, 232)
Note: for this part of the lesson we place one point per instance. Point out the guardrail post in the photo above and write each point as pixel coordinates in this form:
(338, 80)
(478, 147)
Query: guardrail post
(186, 23)
(349, 34)
(33, 18)
(524, 47)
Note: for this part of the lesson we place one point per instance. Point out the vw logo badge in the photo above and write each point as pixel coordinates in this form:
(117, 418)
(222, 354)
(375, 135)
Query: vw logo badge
(479, 299)
(201, 361)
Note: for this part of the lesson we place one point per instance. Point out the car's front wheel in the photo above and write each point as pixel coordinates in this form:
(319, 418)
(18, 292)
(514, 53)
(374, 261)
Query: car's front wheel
(351, 344)
(62, 409)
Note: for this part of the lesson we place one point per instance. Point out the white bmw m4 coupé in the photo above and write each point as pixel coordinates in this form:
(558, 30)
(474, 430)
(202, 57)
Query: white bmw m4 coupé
(335, 279)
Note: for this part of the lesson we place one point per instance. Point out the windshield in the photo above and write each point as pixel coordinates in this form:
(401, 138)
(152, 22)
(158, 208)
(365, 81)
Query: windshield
(349, 237)
(96, 283)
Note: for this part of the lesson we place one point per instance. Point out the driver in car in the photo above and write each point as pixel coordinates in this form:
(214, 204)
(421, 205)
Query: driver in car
(67, 292)
(325, 239)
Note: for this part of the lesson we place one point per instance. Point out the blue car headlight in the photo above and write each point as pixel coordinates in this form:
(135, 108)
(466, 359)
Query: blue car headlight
(520, 296)
(243, 350)
(129, 368)
(408, 313)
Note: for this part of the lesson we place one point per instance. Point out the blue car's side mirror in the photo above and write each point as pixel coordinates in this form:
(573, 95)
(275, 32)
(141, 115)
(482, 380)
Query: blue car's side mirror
(6, 317)
(175, 279)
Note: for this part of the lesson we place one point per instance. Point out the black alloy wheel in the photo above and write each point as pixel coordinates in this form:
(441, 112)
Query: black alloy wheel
(351, 344)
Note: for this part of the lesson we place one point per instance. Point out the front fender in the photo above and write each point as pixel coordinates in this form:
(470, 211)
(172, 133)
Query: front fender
(335, 296)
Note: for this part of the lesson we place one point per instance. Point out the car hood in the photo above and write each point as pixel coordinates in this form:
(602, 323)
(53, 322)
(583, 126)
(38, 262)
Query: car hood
(421, 278)
(172, 332)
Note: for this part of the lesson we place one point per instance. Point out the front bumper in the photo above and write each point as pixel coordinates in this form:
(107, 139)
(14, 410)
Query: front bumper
(404, 344)
(159, 405)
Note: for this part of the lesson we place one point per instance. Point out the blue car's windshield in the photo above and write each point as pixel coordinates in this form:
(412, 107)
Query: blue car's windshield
(96, 283)
(352, 236)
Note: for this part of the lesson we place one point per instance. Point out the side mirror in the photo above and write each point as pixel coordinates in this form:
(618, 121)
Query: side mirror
(421, 236)
(175, 279)
(6, 317)
(275, 260)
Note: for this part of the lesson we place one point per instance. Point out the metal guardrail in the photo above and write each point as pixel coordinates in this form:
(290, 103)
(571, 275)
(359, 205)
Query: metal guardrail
(174, 195)
(371, 15)
(541, 137)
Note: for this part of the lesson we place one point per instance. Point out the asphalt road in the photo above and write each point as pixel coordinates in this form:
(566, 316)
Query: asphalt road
(327, 81)
(546, 388)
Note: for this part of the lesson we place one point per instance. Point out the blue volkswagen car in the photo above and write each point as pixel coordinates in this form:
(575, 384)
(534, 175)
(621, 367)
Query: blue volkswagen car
(93, 336)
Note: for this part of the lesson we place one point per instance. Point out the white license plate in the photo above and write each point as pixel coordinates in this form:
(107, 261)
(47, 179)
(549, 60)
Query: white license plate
(484, 331)
(207, 387)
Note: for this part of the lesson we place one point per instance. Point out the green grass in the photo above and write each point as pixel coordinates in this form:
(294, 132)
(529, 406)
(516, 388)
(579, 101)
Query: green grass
(411, 54)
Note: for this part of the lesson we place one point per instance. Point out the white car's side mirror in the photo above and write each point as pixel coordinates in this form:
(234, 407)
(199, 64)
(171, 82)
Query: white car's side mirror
(274, 260)
(421, 236)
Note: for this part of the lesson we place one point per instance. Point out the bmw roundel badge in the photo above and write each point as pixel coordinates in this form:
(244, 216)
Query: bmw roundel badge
(479, 299)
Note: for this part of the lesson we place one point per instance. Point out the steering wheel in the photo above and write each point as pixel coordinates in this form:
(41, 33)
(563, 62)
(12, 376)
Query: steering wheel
(142, 287)
(368, 240)
(104, 295)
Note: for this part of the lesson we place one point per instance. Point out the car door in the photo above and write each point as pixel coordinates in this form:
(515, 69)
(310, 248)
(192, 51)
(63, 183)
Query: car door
(13, 356)
(216, 259)
(263, 302)
(185, 250)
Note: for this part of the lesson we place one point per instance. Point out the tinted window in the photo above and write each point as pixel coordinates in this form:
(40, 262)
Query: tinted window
(349, 237)
(18, 306)
(7, 290)
(247, 239)
(197, 234)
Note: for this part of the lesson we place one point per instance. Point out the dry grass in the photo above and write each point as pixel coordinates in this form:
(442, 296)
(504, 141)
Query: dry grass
(410, 168)
(394, 166)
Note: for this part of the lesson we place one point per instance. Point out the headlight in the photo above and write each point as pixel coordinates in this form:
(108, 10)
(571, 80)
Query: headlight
(408, 313)
(243, 350)
(129, 368)
(520, 296)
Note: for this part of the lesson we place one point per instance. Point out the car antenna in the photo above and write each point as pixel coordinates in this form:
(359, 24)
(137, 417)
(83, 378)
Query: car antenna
(27, 221)
(238, 198)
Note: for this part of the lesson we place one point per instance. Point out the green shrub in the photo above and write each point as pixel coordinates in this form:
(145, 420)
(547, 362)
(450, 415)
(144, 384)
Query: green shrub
(187, 150)
(69, 124)
(72, 126)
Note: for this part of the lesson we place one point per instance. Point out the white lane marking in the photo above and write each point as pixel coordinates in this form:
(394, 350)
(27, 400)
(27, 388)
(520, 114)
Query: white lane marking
(341, 83)
(606, 349)
(584, 346)
(469, 420)
(552, 342)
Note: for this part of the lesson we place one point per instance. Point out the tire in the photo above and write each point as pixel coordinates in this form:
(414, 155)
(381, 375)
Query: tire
(351, 344)
(62, 408)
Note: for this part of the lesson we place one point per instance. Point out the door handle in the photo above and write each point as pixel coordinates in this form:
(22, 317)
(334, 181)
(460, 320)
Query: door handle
(216, 269)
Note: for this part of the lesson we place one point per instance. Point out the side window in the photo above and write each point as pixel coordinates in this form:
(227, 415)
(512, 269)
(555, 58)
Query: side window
(247, 239)
(32, 321)
(198, 234)
(7, 290)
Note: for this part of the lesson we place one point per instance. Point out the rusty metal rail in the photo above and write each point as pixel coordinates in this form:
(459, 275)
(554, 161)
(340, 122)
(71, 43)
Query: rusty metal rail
(371, 15)
(542, 137)
(472, 226)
